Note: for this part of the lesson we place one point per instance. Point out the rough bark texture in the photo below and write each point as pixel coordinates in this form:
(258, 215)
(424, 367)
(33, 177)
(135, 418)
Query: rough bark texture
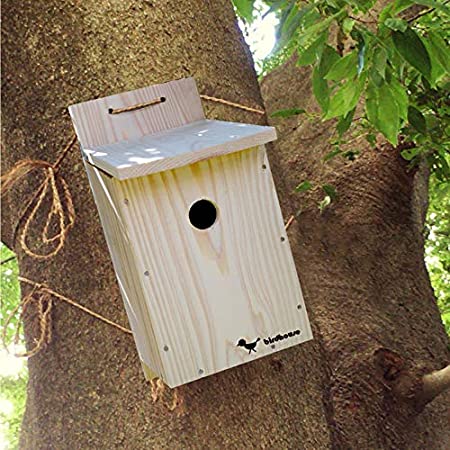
(362, 270)
(360, 263)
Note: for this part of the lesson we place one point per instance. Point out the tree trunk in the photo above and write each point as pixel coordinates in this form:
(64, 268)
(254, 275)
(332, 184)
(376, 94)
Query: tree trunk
(360, 262)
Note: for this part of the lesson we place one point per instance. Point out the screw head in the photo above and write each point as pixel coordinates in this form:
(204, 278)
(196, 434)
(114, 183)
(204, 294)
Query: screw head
(166, 348)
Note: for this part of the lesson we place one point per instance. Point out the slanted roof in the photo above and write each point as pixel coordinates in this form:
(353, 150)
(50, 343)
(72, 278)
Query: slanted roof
(166, 135)
(177, 147)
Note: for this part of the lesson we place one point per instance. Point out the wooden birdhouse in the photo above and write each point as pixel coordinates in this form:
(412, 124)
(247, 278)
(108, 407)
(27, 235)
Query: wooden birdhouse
(191, 217)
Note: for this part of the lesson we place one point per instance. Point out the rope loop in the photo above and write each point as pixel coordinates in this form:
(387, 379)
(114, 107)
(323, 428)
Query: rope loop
(43, 303)
(61, 211)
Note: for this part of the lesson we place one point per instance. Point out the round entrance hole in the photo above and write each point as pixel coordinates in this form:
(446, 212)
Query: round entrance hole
(202, 214)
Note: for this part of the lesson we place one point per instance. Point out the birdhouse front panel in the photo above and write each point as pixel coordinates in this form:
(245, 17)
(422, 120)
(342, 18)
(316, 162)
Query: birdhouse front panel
(197, 238)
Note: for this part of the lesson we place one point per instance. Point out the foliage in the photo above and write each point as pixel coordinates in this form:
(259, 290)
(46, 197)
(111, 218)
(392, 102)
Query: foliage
(12, 407)
(394, 64)
(437, 251)
(10, 289)
(380, 73)
(13, 371)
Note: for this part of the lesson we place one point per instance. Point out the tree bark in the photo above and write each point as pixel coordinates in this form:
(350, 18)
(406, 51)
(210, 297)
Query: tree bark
(360, 262)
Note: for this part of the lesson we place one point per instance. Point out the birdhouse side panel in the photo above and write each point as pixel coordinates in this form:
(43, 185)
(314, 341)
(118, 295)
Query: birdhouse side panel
(110, 200)
(222, 288)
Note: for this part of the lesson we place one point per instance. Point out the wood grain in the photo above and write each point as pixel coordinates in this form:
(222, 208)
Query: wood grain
(191, 294)
(95, 126)
(208, 289)
(107, 195)
(177, 147)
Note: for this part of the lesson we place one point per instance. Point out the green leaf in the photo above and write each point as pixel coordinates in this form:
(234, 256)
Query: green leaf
(320, 89)
(380, 61)
(309, 55)
(312, 31)
(345, 122)
(244, 9)
(288, 112)
(304, 186)
(347, 25)
(410, 153)
(332, 154)
(329, 57)
(441, 50)
(396, 24)
(437, 70)
(345, 99)
(417, 120)
(330, 191)
(346, 67)
(320, 86)
(382, 111)
(371, 139)
(290, 23)
(398, 92)
(411, 47)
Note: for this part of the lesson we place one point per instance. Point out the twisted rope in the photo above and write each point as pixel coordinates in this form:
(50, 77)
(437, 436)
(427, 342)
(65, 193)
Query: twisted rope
(137, 106)
(61, 206)
(235, 105)
(42, 297)
(43, 302)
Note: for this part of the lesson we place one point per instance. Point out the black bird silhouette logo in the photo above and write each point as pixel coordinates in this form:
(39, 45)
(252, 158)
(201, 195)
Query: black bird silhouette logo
(251, 347)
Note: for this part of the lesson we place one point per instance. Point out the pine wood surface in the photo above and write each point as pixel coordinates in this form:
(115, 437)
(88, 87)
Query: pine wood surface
(191, 295)
(176, 147)
(95, 126)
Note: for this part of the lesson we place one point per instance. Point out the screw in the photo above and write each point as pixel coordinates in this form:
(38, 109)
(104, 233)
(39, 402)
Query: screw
(282, 238)
(147, 273)
(166, 348)
(200, 372)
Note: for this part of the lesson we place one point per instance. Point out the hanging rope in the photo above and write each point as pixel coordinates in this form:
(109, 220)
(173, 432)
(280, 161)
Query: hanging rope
(43, 304)
(158, 393)
(234, 105)
(61, 204)
(41, 297)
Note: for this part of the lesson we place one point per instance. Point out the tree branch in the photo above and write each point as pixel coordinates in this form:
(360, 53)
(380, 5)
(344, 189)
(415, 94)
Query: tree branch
(409, 382)
(435, 383)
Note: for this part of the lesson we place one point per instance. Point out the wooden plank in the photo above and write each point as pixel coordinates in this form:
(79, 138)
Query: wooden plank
(207, 289)
(95, 126)
(177, 147)
(109, 201)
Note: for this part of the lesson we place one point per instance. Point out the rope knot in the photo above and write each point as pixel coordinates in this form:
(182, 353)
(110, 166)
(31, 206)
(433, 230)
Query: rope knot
(41, 299)
(61, 208)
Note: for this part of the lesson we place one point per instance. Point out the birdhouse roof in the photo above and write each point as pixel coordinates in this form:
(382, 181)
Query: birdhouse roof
(160, 127)
(176, 147)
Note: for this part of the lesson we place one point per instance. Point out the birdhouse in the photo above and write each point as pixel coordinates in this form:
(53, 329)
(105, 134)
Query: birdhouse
(193, 224)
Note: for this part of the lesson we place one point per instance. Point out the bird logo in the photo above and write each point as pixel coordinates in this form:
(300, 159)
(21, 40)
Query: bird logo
(251, 347)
